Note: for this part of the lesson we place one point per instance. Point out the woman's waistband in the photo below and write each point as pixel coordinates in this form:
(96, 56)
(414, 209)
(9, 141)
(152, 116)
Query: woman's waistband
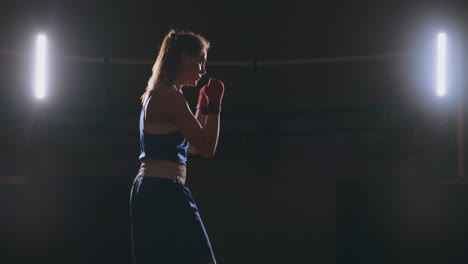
(163, 169)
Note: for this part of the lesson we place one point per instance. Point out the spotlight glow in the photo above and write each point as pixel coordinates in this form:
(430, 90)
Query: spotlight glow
(441, 63)
(41, 48)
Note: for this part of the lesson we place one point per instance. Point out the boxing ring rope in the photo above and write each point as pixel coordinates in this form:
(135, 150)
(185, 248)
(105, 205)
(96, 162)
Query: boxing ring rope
(245, 63)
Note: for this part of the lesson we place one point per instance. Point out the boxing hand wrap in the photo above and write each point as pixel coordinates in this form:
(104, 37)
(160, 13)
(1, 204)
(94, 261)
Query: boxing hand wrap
(214, 91)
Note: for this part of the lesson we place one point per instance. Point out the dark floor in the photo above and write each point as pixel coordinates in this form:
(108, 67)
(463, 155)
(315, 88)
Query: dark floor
(249, 221)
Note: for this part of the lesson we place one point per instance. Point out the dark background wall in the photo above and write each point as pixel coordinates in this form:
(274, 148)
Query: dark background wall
(338, 161)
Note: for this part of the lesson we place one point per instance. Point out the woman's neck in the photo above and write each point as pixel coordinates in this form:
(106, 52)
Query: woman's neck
(177, 85)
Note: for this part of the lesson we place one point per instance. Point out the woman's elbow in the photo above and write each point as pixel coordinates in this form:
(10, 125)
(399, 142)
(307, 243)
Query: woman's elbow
(203, 150)
(207, 154)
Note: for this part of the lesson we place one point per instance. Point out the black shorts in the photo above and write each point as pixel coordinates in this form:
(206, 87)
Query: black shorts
(166, 224)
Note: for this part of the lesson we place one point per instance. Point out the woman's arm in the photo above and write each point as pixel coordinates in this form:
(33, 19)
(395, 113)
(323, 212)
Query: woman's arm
(202, 120)
(204, 139)
(200, 115)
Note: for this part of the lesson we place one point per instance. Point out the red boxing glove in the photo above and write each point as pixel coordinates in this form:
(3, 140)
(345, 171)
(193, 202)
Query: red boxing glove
(202, 105)
(214, 91)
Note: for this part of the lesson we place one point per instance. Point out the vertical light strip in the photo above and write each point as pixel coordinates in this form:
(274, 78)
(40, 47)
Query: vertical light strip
(441, 63)
(41, 48)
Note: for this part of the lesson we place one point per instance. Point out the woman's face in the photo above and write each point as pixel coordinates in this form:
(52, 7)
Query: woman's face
(193, 68)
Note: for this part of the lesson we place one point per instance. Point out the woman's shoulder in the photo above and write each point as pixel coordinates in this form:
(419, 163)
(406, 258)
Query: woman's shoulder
(165, 94)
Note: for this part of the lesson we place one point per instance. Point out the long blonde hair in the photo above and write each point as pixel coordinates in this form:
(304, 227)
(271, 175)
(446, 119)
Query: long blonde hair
(168, 61)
